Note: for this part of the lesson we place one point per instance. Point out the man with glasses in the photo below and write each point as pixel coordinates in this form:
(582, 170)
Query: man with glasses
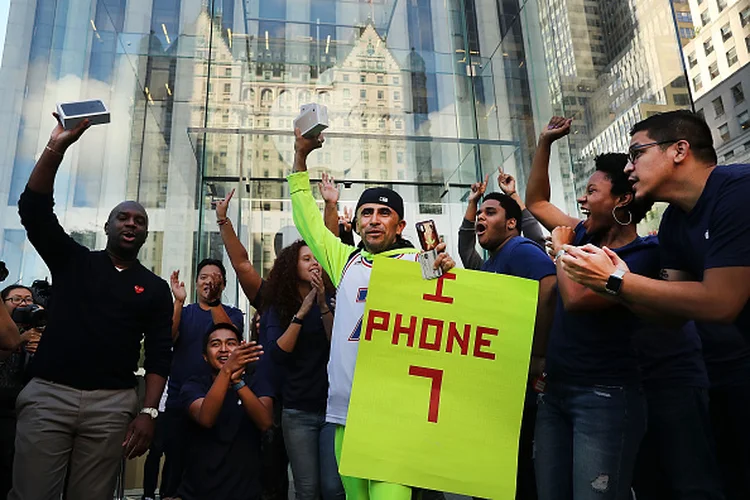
(705, 254)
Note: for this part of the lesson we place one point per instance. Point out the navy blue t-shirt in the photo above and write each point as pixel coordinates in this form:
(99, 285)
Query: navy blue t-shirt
(521, 257)
(224, 462)
(670, 357)
(715, 234)
(305, 375)
(595, 347)
(187, 359)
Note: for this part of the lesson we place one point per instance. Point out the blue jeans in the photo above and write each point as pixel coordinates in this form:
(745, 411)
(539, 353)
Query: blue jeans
(586, 441)
(677, 457)
(310, 446)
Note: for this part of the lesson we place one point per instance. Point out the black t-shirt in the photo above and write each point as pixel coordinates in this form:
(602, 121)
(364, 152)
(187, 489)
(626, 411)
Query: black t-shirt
(305, 375)
(715, 234)
(98, 315)
(223, 462)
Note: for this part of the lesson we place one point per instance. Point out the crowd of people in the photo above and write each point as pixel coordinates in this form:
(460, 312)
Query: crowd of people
(639, 372)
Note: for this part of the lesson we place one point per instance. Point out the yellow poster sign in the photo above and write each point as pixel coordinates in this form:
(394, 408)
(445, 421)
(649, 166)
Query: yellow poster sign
(440, 380)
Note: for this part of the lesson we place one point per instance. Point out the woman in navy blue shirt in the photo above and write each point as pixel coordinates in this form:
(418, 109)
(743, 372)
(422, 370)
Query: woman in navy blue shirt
(592, 414)
(296, 323)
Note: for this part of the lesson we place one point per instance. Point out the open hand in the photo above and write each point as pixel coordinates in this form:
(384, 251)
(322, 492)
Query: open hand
(328, 189)
(307, 304)
(178, 287)
(558, 127)
(243, 355)
(320, 289)
(346, 219)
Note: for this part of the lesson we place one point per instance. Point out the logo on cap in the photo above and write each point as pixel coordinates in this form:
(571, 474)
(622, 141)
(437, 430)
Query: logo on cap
(383, 199)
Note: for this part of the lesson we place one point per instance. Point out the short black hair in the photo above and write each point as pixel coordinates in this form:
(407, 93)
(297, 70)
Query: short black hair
(684, 125)
(212, 262)
(511, 207)
(220, 326)
(613, 166)
(6, 291)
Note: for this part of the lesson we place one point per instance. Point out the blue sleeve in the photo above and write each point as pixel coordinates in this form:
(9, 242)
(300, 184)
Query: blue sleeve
(729, 241)
(529, 261)
(192, 390)
(271, 330)
(237, 318)
(266, 379)
(669, 249)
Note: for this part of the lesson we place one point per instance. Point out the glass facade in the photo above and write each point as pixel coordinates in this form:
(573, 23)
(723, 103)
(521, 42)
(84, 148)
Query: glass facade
(424, 96)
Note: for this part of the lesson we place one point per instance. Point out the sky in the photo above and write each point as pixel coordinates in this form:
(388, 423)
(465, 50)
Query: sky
(4, 10)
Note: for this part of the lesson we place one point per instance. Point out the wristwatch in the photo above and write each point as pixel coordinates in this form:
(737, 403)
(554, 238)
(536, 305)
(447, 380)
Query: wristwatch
(296, 320)
(239, 385)
(151, 412)
(614, 283)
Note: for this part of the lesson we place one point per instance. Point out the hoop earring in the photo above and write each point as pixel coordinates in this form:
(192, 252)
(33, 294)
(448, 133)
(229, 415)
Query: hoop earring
(630, 217)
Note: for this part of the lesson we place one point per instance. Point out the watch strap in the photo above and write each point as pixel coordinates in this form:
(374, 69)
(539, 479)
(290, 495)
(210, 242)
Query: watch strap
(151, 412)
(239, 385)
(296, 320)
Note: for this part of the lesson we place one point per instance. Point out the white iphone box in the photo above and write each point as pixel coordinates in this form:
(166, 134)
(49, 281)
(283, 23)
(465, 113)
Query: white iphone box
(73, 113)
(312, 120)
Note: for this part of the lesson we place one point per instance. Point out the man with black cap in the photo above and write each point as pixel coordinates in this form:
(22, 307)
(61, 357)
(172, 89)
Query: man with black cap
(379, 220)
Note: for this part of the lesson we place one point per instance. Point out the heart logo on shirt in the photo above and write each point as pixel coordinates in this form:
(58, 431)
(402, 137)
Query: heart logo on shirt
(139, 289)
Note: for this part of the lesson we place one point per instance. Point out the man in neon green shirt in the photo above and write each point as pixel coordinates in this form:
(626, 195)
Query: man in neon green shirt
(379, 220)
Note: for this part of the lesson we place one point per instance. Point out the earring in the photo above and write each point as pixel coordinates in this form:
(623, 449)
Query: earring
(630, 217)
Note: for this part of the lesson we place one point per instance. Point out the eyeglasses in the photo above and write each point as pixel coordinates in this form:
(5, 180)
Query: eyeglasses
(635, 151)
(20, 300)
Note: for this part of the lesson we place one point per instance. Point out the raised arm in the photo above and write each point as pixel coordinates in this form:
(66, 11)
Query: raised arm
(327, 248)
(250, 280)
(538, 188)
(467, 240)
(330, 193)
(180, 295)
(530, 227)
(10, 339)
(35, 206)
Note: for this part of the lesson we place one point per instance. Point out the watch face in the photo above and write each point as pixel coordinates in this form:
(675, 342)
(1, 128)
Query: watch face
(614, 283)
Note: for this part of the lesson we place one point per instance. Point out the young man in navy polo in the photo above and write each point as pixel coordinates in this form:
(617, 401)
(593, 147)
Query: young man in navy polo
(705, 254)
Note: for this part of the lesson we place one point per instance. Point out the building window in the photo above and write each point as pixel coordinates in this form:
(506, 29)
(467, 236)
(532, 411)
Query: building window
(744, 119)
(365, 156)
(347, 93)
(399, 125)
(364, 122)
(396, 80)
(381, 79)
(708, 46)
(399, 157)
(383, 156)
(396, 95)
(684, 17)
(731, 56)
(346, 78)
(724, 132)
(362, 78)
(713, 70)
(726, 32)
(697, 83)
(729, 155)
(722, 4)
(747, 43)
(347, 155)
(381, 124)
(692, 60)
(381, 95)
(738, 94)
(227, 88)
(688, 33)
(363, 94)
(745, 16)
(705, 17)
(718, 107)
(682, 100)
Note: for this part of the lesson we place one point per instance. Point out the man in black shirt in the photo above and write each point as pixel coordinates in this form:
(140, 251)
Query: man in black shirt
(79, 414)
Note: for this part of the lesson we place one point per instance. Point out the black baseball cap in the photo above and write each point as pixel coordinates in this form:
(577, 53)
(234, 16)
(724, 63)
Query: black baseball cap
(382, 196)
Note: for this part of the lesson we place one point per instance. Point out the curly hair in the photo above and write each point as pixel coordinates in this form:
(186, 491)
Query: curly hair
(280, 290)
(613, 166)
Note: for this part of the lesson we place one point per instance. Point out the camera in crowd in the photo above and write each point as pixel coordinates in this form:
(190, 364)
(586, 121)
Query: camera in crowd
(30, 316)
